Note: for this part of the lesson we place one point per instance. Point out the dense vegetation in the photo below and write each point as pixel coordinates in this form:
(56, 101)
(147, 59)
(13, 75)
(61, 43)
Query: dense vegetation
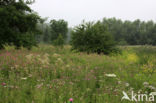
(132, 33)
(92, 38)
(17, 24)
(127, 32)
(59, 27)
(54, 73)
(50, 75)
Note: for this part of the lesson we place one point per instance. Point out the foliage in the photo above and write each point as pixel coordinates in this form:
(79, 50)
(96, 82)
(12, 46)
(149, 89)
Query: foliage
(59, 41)
(92, 37)
(131, 32)
(17, 24)
(58, 27)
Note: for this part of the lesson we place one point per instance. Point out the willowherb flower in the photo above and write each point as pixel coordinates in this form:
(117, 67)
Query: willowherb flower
(3, 84)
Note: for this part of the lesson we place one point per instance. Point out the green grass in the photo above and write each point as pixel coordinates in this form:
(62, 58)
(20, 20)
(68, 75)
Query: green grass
(53, 75)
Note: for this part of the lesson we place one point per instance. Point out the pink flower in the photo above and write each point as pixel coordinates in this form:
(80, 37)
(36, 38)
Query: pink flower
(71, 99)
(3, 84)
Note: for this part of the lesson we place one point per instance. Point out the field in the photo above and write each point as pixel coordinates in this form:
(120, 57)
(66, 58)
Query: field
(54, 75)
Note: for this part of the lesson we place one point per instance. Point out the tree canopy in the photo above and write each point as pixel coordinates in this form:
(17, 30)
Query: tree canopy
(17, 24)
(92, 38)
(57, 28)
(132, 32)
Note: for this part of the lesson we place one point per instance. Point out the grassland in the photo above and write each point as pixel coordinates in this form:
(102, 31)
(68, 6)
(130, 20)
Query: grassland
(53, 75)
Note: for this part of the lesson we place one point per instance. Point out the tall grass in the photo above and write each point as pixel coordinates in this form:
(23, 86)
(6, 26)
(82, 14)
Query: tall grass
(53, 75)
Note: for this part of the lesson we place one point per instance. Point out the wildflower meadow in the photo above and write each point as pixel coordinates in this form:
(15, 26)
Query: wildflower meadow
(58, 75)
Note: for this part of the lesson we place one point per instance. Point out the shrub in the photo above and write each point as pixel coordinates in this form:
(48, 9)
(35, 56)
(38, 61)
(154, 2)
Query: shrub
(92, 38)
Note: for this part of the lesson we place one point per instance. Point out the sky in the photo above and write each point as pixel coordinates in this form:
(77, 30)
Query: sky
(74, 11)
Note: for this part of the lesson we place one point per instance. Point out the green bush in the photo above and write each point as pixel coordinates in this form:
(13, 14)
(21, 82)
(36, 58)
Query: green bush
(92, 38)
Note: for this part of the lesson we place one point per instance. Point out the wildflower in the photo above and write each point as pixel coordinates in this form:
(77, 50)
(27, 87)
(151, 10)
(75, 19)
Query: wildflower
(71, 100)
(59, 60)
(127, 84)
(132, 57)
(110, 75)
(29, 57)
(56, 55)
(3, 84)
(44, 61)
(152, 88)
(39, 85)
(146, 84)
(24, 78)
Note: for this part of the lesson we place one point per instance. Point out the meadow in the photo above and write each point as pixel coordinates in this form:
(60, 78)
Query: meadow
(53, 75)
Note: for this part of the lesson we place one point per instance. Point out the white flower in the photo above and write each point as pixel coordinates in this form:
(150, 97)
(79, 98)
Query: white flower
(59, 60)
(24, 78)
(29, 57)
(152, 87)
(145, 84)
(127, 84)
(56, 55)
(110, 75)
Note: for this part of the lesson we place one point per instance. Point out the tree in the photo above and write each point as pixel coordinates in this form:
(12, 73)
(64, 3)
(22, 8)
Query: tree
(131, 32)
(58, 27)
(92, 38)
(17, 24)
(59, 41)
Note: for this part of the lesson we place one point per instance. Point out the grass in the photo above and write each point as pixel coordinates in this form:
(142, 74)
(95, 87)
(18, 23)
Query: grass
(53, 75)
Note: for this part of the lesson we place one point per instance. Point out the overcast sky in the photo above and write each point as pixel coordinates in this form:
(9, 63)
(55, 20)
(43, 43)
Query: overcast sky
(74, 11)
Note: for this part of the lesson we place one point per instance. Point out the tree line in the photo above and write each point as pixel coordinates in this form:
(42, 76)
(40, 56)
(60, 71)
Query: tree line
(22, 27)
(124, 32)
(132, 32)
